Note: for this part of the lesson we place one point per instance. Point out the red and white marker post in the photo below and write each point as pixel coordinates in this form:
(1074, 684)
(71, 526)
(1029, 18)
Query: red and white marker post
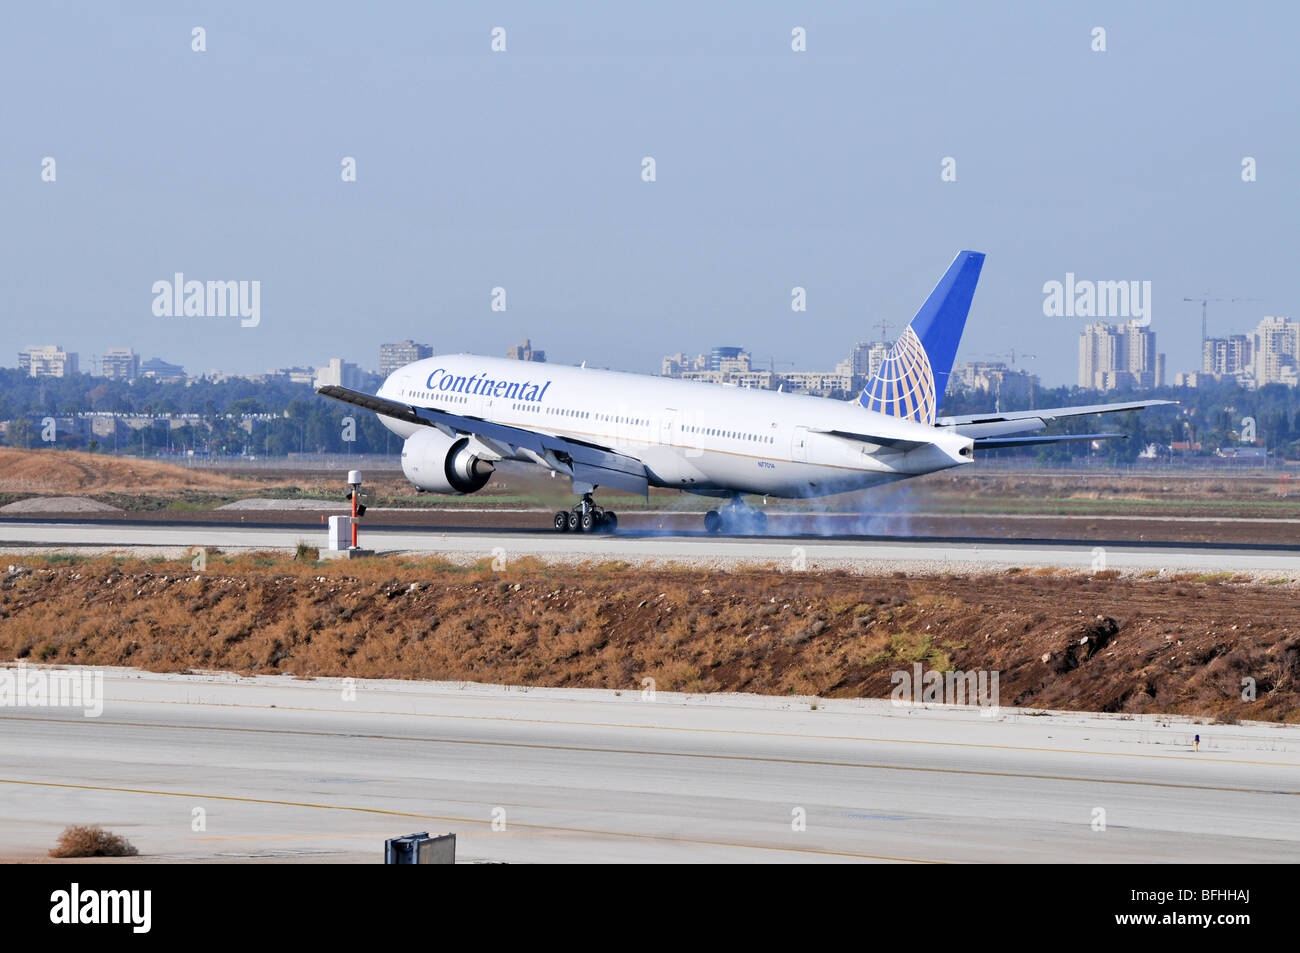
(354, 481)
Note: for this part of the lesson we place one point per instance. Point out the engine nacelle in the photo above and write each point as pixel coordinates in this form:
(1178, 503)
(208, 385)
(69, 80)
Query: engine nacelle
(437, 463)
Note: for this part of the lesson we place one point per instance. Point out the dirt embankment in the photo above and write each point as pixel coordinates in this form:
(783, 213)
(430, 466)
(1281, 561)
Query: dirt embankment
(1057, 641)
(67, 471)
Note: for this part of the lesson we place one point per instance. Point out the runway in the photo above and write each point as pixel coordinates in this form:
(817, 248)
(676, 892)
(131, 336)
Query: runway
(284, 769)
(810, 552)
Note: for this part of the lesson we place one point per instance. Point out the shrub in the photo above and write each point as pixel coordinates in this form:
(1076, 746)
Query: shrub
(92, 841)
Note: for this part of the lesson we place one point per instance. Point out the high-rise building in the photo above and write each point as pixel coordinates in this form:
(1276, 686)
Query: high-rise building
(339, 373)
(393, 356)
(524, 352)
(1276, 344)
(1139, 357)
(1098, 353)
(865, 358)
(120, 364)
(1115, 356)
(1228, 356)
(48, 360)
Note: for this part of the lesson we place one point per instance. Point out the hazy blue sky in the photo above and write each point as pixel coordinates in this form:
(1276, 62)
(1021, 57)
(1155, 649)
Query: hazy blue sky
(523, 170)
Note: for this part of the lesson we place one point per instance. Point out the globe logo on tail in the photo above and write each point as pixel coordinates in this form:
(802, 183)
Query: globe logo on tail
(904, 385)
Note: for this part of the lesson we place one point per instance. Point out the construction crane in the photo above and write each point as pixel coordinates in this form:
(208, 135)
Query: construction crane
(1205, 301)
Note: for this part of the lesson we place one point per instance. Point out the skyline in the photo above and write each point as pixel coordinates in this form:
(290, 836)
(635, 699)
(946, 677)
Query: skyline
(523, 170)
(1006, 359)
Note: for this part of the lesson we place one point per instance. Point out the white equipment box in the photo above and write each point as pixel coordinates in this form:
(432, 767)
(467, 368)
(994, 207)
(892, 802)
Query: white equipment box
(340, 532)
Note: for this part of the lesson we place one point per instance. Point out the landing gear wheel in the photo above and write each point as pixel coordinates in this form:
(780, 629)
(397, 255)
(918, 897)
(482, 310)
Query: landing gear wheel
(712, 522)
(586, 517)
(760, 523)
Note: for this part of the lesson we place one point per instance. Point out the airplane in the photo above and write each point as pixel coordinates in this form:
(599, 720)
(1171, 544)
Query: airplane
(461, 414)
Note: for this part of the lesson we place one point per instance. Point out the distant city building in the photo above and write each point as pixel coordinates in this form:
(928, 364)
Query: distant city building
(1228, 356)
(729, 359)
(997, 379)
(720, 365)
(1268, 355)
(48, 360)
(1194, 379)
(393, 356)
(734, 366)
(1141, 360)
(1098, 349)
(294, 375)
(524, 352)
(1276, 345)
(817, 382)
(864, 359)
(339, 373)
(1112, 357)
(763, 380)
(674, 365)
(1231, 358)
(157, 369)
(120, 364)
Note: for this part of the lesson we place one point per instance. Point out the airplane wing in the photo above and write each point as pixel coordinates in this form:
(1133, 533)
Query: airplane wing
(996, 424)
(585, 462)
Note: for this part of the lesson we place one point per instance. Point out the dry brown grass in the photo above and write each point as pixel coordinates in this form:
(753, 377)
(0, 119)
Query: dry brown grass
(68, 471)
(91, 841)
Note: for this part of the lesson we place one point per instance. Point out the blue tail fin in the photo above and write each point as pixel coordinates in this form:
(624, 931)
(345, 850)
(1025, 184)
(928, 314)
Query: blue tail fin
(912, 380)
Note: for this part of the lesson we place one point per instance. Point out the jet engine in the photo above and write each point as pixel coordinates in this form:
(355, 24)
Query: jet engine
(437, 463)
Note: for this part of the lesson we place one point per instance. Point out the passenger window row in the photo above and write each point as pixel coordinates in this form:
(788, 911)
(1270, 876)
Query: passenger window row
(428, 395)
(730, 434)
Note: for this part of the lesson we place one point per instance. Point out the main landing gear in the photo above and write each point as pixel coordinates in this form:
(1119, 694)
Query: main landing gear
(736, 518)
(586, 517)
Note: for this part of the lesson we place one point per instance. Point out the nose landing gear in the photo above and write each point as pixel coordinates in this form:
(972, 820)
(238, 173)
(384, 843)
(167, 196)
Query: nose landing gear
(586, 517)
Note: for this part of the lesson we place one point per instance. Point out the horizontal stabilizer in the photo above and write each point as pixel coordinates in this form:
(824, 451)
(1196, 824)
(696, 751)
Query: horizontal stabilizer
(1003, 443)
(893, 443)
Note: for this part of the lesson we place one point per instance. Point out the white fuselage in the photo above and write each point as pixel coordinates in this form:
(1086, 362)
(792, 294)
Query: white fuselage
(703, 438)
